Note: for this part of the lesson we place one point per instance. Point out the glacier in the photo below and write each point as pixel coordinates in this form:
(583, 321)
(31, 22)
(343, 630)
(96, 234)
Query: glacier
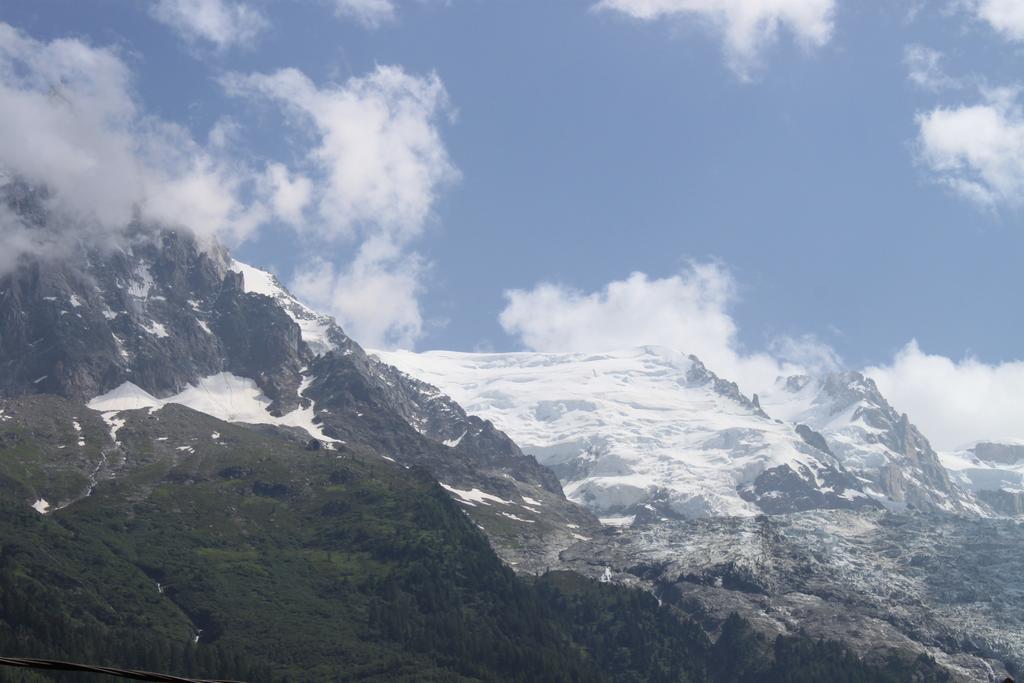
(645, 431)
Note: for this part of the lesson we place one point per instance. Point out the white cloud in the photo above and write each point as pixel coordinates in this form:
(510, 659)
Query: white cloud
(977, 150)
(808, 352)
(375, 301)
(378, 157)
(1005, 16)
(375, 168)
(290, 193)
(747, 26)
(687, 312)
(955, 402)
(221, 23)
(924, 69)
(370, 13)
(71, 124)
(374, 13)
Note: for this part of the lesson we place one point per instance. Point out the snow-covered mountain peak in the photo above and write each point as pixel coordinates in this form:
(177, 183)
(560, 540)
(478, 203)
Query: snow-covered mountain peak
(646, 431)
(870, 438)
(794, 398)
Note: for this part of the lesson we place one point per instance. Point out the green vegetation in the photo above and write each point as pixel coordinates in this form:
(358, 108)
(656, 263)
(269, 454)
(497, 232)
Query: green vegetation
(326, 565)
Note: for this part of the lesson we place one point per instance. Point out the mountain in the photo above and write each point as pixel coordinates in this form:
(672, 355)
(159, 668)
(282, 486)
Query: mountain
(893, 459)
(908, 560)
(214, 549)
(200, 475)
(940, 586)
(199, 466)
(644, 433)
(157, 318)
(993, 470)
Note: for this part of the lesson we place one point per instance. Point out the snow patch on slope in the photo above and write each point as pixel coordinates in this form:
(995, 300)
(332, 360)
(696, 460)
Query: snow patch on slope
(127, 396)
(474, 496)
(224, 396)
(156, 329)
(114, 422)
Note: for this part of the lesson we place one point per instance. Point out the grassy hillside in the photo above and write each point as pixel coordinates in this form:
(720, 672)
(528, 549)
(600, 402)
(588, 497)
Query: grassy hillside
(228, 551)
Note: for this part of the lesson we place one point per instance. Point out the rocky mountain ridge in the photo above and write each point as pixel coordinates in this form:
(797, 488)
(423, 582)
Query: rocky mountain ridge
(158, 317)
(871, 439)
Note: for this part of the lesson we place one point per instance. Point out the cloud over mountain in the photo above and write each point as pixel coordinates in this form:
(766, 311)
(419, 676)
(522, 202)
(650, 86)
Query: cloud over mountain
(687, 312)
(372, 174)
(371, 170)
(73, 125)
(955, 402)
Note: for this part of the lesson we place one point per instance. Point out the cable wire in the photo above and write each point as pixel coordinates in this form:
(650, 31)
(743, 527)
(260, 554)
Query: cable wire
(56, 665)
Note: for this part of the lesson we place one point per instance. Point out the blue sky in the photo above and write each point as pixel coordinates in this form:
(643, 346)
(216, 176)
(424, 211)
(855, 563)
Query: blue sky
(795, 194)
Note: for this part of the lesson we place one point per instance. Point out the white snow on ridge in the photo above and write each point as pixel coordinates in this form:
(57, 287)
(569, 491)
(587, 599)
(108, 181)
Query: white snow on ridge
(804, 400)
(618, 426)
(257, 281)
(224, 396)
(315, 326)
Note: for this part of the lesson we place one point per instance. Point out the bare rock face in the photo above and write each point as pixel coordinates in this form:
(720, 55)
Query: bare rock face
(783, 489)
(160, 310)
(161, 313)
(1000, 453)
(940, 585)
(1005, 502)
